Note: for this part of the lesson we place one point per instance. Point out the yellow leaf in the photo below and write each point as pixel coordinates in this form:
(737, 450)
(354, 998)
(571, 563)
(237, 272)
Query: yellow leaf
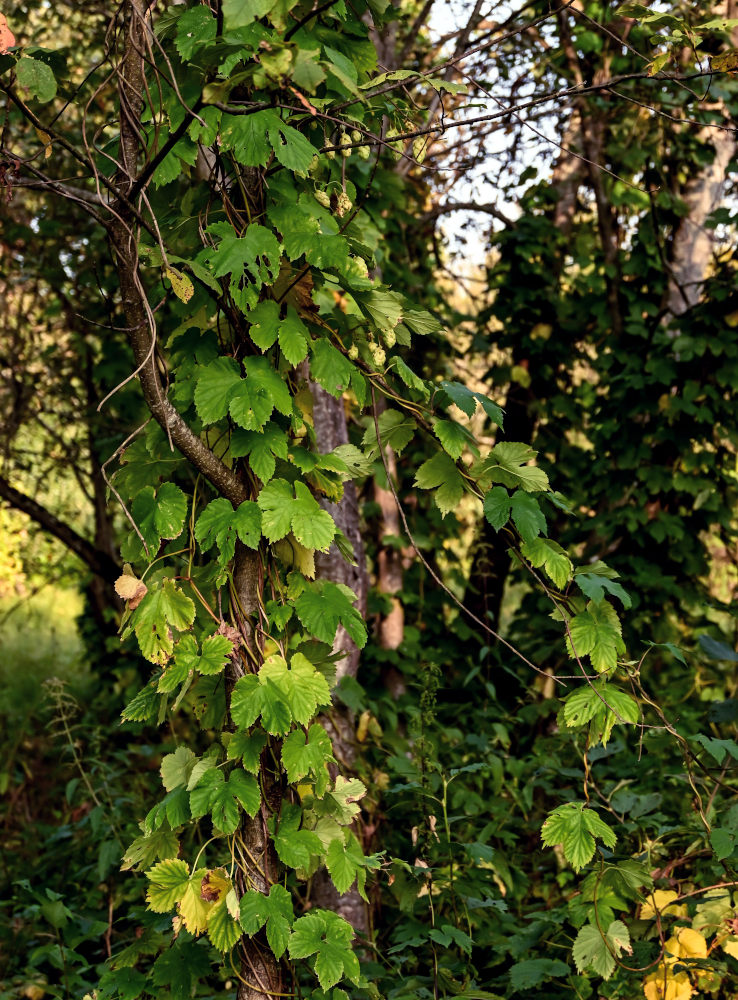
(45, 139)
(181, 284)
(664, 985)
(726, 62)
(659, 900)
(193, 908)
(730, 946)
(292, 553)
(691, 943)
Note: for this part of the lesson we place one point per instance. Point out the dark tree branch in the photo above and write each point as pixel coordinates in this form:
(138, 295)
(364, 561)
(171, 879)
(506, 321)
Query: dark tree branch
(140, 322)
(466, 206)
(101, 564)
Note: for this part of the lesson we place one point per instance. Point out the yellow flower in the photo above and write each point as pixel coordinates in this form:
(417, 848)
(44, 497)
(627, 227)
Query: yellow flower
(664, 985)
(659, 900)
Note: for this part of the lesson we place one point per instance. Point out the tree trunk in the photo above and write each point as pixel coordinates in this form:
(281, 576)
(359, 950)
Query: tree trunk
(329, 420)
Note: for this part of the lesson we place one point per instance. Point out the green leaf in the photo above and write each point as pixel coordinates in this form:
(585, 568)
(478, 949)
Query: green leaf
(596, 632)
(294, 846)
(575, 827)
(220, 524)
(274, 910)
(440, 471)
(159, 514)
(312, 526)
(329, 367)
(324, 605)
(195, 28)
(541, 552)
(282, 512)
(223, 930)
(344, 861)
(264, 320)
(533, 971)
(167, 883)
(245, 136)
(328, 937)
(216, 383)
(293, 337)
(275, 502)
(251, 260)
(395, 431)
(290, 147)
(262, 448)
(467, 400)
(221, 798)
(497, 507)
(240, 13)
(211, 660)
(718, 748)
(593, 951)
(35, 79)
(180, 968)
(176, 768)
(253, 401)
(506, 464)
(527, 516)
(302, 755)
(601, 705)
(453, 437)
(723, 842)
(247, 748)
(594, 588)
(145, 850)
(162, 609)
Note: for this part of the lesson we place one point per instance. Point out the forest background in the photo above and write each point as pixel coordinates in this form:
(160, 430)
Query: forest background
(369, 370)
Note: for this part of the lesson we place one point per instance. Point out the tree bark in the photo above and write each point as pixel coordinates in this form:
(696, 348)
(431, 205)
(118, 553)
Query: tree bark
(329, 420)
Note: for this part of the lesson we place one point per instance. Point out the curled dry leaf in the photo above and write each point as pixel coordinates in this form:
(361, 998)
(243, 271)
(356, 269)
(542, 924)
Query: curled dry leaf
(231, 633)
(130, 589)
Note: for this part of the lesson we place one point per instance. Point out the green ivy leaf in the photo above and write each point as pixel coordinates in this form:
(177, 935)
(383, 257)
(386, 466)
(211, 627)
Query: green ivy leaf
(440, 471)
(302, 755)
(247, 748)
(596, 632)
(220, 524)
(593, 951)
(506, 464)
(294, 846)
(575, 827)
(330, 368)
(324, 605)
(453, 437)
(221, 798)
(541, 552)
(345, 862)
(283, 511)
(167, 883)
(35, 79)
(274, 910)
(328, 937)
(262, 448)
(176, 768)
(162, 609)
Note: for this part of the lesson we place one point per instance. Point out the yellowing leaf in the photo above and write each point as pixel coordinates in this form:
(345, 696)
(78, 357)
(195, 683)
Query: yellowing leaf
(659, 901)
(691, 943)
(44, 137)
(181, 285)
(192, 907)
(664, 985)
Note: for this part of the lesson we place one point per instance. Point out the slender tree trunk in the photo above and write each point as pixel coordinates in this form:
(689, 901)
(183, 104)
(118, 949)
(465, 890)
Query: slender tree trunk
(329, 419)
